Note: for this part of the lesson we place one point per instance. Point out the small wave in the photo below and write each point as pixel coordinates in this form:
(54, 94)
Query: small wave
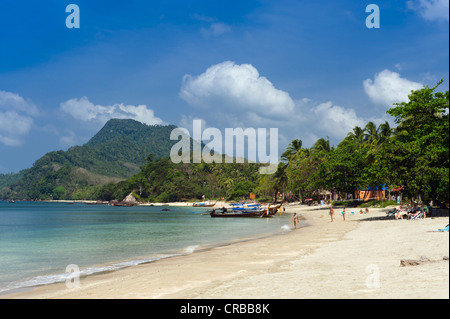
(190, 249)
(286, 228)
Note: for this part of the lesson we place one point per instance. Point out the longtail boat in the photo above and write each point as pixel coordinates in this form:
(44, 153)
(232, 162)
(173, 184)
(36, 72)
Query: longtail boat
(204, 204)
(265, 211)
(223, 212)
(273, 209)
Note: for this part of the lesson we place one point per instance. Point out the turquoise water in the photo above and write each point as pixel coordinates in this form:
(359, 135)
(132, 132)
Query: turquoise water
(39, 240)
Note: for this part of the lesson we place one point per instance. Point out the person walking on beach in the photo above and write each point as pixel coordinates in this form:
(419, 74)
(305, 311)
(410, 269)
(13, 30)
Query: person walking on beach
(331, 212)
(343, 214)
(295, 219)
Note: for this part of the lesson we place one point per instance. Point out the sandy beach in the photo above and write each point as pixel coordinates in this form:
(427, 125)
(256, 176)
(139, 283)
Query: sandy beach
(356, 259)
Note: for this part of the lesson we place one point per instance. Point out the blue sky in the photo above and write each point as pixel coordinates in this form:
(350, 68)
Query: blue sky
(311, 69)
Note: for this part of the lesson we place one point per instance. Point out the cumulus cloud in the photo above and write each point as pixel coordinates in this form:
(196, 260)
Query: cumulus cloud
(431, 9)
(13, 101)
(16, 118)
(238, 87)
(313, 120)
(336, 121)
(84, 110)
(231, 95)
(238, 96)
(388, 87)
(188, 120)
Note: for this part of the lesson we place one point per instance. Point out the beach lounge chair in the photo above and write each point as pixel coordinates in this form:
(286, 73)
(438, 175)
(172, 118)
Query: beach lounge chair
(391, 212)
(417, 215)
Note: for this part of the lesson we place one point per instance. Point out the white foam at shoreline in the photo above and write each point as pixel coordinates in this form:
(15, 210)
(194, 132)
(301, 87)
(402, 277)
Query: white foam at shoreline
(191, 249)
(62, 277)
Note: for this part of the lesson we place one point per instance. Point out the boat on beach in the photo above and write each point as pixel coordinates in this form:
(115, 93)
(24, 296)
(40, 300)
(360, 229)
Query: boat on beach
(224, 212)
(204, 204)
(96, 203)
(265, 211)
(273, 209)
(236, 206)
(121, 204)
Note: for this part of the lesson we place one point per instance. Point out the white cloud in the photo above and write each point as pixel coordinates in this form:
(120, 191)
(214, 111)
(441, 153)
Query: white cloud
(313, 120)
(70, 139)
(230, 95)
(188, 120)
(336, 121)
(13, 127)
(216, 29)
(201, 17)
(15, 118)
(228, 86)
(13, 101)
(431, 9)
(388, 88)
(83, 109)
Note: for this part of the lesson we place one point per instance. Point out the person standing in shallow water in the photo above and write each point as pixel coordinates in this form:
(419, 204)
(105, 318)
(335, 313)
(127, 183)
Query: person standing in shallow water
(295, 219)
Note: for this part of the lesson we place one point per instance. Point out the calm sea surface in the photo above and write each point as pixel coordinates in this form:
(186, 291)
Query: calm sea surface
(39, 240)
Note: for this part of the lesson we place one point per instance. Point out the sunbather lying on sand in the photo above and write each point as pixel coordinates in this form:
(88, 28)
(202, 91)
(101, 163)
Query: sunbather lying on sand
(441, 229)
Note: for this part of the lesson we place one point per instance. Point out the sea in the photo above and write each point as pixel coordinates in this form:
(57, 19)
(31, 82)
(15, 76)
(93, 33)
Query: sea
(44, 242)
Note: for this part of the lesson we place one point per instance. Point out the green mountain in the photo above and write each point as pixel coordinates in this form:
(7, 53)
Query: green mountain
(115, 153)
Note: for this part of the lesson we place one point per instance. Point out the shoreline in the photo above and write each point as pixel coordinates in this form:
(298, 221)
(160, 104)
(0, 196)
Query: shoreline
(46, 279)
(322, 260)
(97, 202)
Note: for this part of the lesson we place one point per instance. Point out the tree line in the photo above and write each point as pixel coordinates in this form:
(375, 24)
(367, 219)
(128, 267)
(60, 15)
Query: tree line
(162, 180)
(413, 157)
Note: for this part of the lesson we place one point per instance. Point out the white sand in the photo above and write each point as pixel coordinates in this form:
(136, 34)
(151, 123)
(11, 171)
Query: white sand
(351, 259)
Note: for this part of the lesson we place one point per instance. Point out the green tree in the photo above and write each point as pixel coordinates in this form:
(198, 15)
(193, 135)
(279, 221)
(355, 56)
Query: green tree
(342, 169)
(242, 189)
(293, 148)
(302, 177)
(357, 135)
(59, 192)
(421, 143)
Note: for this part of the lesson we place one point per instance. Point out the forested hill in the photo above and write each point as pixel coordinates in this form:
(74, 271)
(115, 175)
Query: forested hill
(115, 153)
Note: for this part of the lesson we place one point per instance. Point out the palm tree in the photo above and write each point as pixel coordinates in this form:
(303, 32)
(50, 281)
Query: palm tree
(371, 134)
(376, 138)
(281, 179)
(357, 135)
(384, 132)
(322, 145)
(294, 147)
(377, 135)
